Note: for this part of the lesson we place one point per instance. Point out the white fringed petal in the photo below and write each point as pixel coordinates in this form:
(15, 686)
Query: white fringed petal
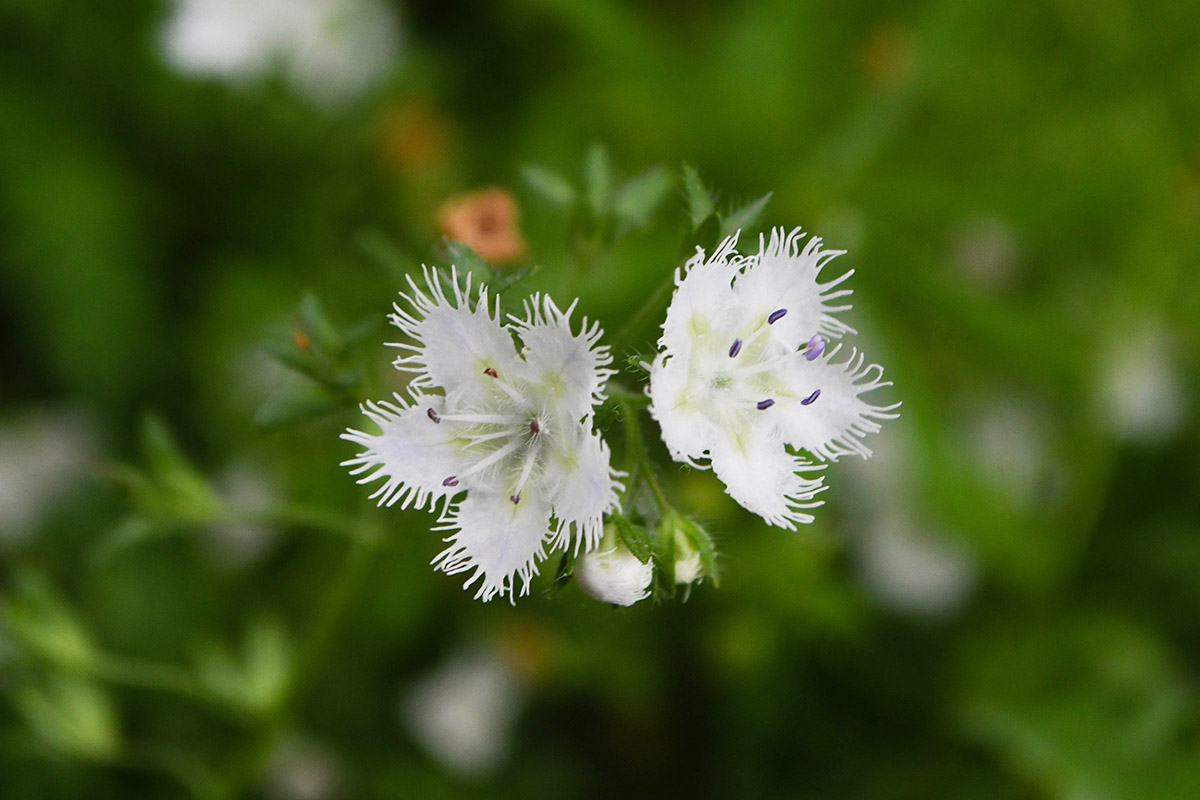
(582, 487)
(571, 367)
(765, 479)
(455, 341)
(497, 540)
(835, 423)
(785, 275)
(412, 454)
(678, 404)
(701, 310)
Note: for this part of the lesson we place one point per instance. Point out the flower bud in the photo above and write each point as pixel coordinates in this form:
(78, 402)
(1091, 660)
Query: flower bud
(612, 574)
(688, 568)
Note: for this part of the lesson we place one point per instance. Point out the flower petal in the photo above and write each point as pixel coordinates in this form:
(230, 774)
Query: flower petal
(498, 539)
(834, 423)
(784, 276)
(412, 452)
(679, 406)
(703, 310)
(582, 486)
(762, 476)
(455, 342)
(571, 368)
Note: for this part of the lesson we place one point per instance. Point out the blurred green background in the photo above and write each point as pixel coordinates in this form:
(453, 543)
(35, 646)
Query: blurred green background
(1002, 603)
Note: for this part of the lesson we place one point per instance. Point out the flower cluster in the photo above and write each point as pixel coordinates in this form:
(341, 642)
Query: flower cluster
(503, 439)
(744, 371)
(512, 430)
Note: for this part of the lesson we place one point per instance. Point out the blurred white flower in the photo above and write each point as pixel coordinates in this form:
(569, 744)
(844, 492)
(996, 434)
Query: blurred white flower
(41, 455)
(302, 769)
(246, 487)
(743, 372)
(1142, 393)
(328, 50)
(612, 574)
(984, 250)
(914, 571)
(1009, 445)
(464, 713)
(513, 430)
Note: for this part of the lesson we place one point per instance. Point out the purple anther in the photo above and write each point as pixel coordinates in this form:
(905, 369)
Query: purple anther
(814, 348)
(809, 400)
(451, 481)
(516, 498)
(735, 348)
(535, 426)
(433, 415)
(763, 405)
(776, 316)
(491, 371)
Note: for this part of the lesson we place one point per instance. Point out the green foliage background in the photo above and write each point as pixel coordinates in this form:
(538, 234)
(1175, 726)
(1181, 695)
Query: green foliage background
(1018, 184)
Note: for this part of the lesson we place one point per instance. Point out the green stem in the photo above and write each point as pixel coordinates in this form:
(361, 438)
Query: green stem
(637, 457)
(153, 677)
(631, 328)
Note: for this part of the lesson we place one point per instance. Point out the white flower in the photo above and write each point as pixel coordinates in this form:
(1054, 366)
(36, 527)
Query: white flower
(513, 430)
(328, 50)
(743, 372)
(465, 712)
(688, 566)
(612, 574)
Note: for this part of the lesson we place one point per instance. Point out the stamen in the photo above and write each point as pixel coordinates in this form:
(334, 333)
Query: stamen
(492, 372)
(534, 426)
(809, 400)
(735, 348)
(433, 415)
(763, 405)
(814, 348)
(776, 316)
(516, 498)
(451, 481)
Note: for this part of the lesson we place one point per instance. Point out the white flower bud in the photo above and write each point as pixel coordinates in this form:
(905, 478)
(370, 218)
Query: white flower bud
(612, 574)
(688, 568)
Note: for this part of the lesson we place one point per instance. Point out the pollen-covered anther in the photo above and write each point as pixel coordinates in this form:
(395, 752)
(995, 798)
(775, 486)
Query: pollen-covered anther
(776, 315)
(491, 371)
(451, 481)
(735, 348)
(433, 415)
(763, 405)
(814, 348)
(516, 498)
(811, 398)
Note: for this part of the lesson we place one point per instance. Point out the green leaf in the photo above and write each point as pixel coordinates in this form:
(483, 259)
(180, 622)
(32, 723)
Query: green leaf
(130, 532)
(315, 322)
(550, 186)
(699, 200)
(296, 403)
(638, 198)
(41, 621)
(71, 715)
(467, 260)
(708, 235)
(744, 217)
(635, 537)
(598, 178)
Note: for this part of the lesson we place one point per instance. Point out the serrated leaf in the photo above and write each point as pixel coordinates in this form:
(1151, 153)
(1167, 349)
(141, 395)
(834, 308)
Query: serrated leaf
(699, 200)
(598, 178)
(708, 234)
(315, 322)
(635, 537)
(296, 403)
(638, 198)
(744, 217)
(548, 185)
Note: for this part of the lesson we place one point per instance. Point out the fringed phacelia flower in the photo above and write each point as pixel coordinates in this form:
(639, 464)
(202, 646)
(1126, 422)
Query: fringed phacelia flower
(744, 372)
(613, 574)
(512, 430)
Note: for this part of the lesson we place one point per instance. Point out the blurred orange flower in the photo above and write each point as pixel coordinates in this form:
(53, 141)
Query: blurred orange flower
(485, 221)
